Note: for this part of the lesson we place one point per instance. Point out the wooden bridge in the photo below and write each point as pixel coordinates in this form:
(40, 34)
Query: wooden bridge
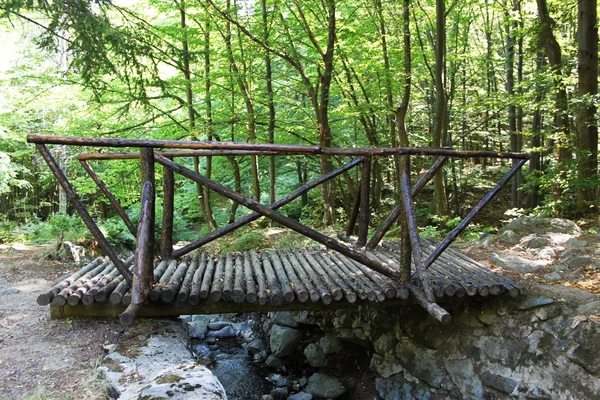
(350, 271)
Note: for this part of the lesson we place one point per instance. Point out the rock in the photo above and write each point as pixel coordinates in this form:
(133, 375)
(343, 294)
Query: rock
(256, 346)
(304, 317)
(534, 242)
(303, 381)
(541, 226)
(386, 366)
(323, 385)
(275, 362)
(8, 291)
(217, 326)
(197, 330)
(330, 344)
(498, 382)
(462, 374)
(109, 348)
(573, 243)
(201, 350)
(545, 253)
(509, 237)
(315, 355)
(284, 318)
(164, 369)
(300, 396)
(76, 253)
(587, 350)
(283, 340)
(267, 397)
(580, 260)
(394, 388)
(420, 362)
(280, 393)
(535, 302)
(552, 276)
(590, 308)
(385, 343)
(518, 264)
(225, 332)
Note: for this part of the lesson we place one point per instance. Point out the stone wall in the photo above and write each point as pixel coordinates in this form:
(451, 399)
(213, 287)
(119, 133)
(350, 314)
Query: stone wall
(542, 346)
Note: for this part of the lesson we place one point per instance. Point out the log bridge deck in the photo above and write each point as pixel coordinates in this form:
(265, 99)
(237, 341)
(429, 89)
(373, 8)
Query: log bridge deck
(177, 281)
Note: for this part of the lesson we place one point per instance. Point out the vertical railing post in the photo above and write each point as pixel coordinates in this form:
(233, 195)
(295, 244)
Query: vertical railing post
(167, 217)
(364, 213)
(405, 245)
(411, 230)
(143, 269)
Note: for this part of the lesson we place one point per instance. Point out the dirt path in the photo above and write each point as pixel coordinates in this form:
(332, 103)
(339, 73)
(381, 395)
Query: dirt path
(42, 358)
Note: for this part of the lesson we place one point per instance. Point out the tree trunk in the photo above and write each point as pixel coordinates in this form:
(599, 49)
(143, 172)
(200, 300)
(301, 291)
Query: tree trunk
(562, 143)
(270, 103)
(510, 91)
(439, 205)
(325, 138)
(587, 129)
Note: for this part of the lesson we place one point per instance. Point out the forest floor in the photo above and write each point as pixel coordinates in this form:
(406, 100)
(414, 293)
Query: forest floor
(42, 358)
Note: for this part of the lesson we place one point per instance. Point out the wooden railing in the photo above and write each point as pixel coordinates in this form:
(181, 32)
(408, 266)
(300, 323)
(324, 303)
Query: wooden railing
(142, 276)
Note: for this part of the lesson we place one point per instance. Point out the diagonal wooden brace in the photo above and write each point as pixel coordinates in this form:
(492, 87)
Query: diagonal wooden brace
(82, 211)
(277, 217)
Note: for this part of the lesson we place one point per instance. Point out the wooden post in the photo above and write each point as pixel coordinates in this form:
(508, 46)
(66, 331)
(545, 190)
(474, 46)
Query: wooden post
(167, 217)
(354, 215)
(81, 210)
(410, 229)
(113, 201)
(363, 216)
(143, 274)
(405, 243)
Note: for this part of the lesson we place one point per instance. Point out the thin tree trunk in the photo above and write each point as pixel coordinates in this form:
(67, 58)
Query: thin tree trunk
(562, 143)
(587, 128)
(439, 205)
(270, 103)
(510, 91)
(533, 196)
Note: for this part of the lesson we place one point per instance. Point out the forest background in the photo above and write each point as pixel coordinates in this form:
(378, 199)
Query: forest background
(474, 75)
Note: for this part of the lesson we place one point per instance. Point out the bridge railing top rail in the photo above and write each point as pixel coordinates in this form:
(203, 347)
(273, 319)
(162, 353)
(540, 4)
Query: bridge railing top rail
(259, 148)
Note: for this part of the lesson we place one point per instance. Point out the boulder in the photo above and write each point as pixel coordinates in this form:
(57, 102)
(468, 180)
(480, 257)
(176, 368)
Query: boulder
(509, 237)
(275, 362)
(463, 376)
(534, 242)
(541, 226)
(284, 318)
(323, 385)
(386, 366)
(330, 344)
(315, 355)
(283, 340)
(301, 396)
(225, 332)
(75, 252)
(197, 330)
(518, 264)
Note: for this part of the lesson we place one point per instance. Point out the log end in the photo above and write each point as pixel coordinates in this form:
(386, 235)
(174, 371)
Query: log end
(154, 294)
(495, 290)
(314, 297)
(402, 293)
(115, 298)
(251, 298)
(326, 298)
(59, 301)
(167, 295)
(182, 297)
(276, 299)
(351, 297)
(87, 300)
(390, 293)
(128, 316)
(44, 299)
(302, 296)
(289, 297)
(73, 300)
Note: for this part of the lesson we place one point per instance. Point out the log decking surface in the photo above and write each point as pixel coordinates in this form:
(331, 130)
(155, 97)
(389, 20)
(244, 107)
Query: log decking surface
(299, 278)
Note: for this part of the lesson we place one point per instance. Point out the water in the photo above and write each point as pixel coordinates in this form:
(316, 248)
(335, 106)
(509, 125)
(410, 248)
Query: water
(241, 377)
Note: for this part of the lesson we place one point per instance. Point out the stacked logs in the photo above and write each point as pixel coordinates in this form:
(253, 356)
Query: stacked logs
(277, 277)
